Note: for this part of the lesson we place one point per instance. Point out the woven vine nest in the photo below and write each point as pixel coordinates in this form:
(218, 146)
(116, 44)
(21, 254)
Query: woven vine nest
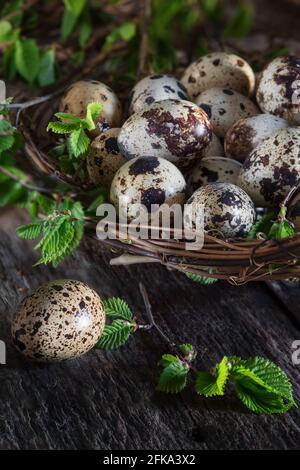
(236, 260)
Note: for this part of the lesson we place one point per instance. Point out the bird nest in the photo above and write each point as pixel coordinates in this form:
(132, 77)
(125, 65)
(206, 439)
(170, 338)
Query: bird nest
(236, 260)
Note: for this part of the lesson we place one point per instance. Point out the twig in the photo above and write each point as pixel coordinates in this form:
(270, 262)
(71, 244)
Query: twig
(289, 196)
(144, 48)
(18, 10)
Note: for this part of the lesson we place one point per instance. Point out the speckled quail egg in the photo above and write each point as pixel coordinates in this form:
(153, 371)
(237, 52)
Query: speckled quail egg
(224, 107)
(247, 133)
(146, 181)
(59, 320)
(214, 148)
(278, 89)
(228, 210)
(156, 88)
(81, 93)
(213, 170)
(293, 213)
(272, 168)
(104, 158)
(219, 69)
(176, 130)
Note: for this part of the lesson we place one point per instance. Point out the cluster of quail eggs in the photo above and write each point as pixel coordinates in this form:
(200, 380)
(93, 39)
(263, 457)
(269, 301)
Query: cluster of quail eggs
(219, 137)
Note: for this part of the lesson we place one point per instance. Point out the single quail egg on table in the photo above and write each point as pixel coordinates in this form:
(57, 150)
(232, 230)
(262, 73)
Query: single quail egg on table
(213, 170)
(155, 88)
(60, 320)
(81, 93)
(224, 107)
(228, 210)
(104, 158)
(247, 133)
(278, 88)
(219, 69)
(273, 168)
(176, 130)
(146, 181)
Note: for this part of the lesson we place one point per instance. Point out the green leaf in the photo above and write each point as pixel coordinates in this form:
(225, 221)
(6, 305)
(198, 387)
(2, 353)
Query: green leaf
(62, 127)
(75, 6)
(78, 142)
(27, 57)
(167, 359)
(213, 8)
(116, 307)
(5, 29)
(173, 378)
(30, 231)
(101, 198)
(213, 385)
(188, 351)
(85, 32)
(281, 229)
(9, 62)
(125, 32)
(115, 335)
(46, 74)
(201, 279)
(6, 142)
(262, 225)
(93, 111)
(241, 23)
(263, 402)
(68, 117)
(68, 24)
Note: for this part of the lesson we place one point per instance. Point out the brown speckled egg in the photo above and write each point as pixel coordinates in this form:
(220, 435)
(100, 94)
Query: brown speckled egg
(272, 168)
(146, 181)
(176, 130)
(278, 89)
(293, 213)
(104, 158)
(213, 170)
(214, 148)
(156, 88)
(81, 93)
(228, 210)
(247, 133)
(224, 107)
(219, 69)
(59, 320)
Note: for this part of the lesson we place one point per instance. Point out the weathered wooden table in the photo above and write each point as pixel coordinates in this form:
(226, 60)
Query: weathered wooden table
(108, 400)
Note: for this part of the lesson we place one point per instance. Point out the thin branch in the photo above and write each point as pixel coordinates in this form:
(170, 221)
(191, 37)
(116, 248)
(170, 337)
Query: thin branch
(144, 48)
(18, 10)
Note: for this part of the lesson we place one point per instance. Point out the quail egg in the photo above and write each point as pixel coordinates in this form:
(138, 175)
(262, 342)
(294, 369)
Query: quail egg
(59, 320)
(272, 168)
(293, 213)
(224, 107)
(214, 148)
(278, 88)
(228, 210)
(213, 170)
(156, 88)
(219, 69)
(146, 181)
(81, 93)
(176, 130)
(104, 158)
(247, 133)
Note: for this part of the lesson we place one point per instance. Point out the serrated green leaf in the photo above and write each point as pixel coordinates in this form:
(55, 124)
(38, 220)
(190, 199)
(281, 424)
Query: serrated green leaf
(167, 359)
(68, 117)
(78, 142)
(68, 24)
(173, 378)
(46, 74)
(30, 231)
(56, 241)
(93, 111)
(115, 335)
(125, 32)
(213, 385)
(6, 142)
(281, 229)
(5, 29)
(62, 127)
(264, 403)
(206, 281)
(6, 127)
(262, 225)
(27, 56)
(116, 307)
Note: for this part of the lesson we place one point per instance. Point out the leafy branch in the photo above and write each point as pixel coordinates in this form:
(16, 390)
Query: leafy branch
(259, 383)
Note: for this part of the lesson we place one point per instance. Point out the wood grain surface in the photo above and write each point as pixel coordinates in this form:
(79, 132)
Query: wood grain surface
(107, 400)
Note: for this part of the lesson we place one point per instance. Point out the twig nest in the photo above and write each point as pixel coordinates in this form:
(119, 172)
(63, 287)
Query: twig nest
(146, 181)
(213, 170)
(60, 320)
(176, 130)
(228, 210)
(81, 93)
(293, 212)
(224, 107)
(104, 158)
(273, 168)
(156, 88)
(247, 133)
(214, 148)
(219, 69)
(278, 88)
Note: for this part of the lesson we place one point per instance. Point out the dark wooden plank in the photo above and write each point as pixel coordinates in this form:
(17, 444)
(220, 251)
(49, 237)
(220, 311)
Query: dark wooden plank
(288, 294)
(107, 400)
